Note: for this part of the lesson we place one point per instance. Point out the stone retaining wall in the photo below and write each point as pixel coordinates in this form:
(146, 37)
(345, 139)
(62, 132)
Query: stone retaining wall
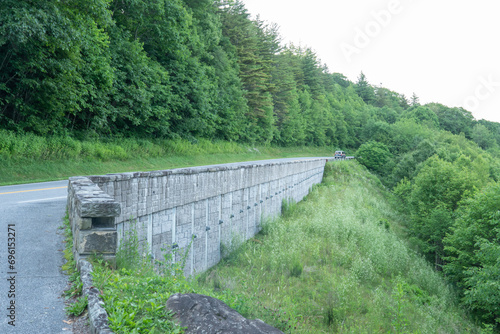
(199, 208)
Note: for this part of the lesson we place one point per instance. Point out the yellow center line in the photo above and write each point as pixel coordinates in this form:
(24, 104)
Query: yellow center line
(26, 191)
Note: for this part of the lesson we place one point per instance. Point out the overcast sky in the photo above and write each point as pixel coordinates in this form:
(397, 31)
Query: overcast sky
(446, 51)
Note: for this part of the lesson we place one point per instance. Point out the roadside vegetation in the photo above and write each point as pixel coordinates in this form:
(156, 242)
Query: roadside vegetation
(136, 289)
(76, 303)
(31, 158)
(335, 263)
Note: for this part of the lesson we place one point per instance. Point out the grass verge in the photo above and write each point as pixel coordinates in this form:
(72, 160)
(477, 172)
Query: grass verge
(76, 303)
(28, 158)
(135, 294)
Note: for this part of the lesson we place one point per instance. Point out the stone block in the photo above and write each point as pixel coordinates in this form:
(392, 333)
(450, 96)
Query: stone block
(83, 223)
(99, 207)
(100, 241)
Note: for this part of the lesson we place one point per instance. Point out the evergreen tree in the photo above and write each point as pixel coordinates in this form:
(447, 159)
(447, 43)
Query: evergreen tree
(415, 101)
(255, 47)
(364, 90)
(403, 102)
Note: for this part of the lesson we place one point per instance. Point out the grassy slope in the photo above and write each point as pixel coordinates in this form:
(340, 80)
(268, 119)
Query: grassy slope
(334, 263)
(24, 170)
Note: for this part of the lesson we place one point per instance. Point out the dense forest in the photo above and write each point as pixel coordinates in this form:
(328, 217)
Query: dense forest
(204, 69)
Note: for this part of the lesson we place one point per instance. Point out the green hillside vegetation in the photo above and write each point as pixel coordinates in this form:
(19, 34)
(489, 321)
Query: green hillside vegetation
(31, 158)
(337, 262)
(116, 85)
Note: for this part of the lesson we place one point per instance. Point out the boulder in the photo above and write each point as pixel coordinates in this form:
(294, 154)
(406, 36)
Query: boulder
(206, 315)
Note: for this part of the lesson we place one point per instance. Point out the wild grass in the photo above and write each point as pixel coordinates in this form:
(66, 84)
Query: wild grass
(334, 264)
(76, 303)
(30, 158)
(136, 291)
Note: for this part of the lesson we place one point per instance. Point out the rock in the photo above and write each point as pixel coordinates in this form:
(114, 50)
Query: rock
(206, 315)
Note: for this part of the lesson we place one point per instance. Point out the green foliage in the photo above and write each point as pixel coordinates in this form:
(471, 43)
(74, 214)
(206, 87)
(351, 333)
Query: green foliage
(374, 156)
(103, 82)
(422, 115)
(171, 69)
(432, 198)
(455, 120)
(76, 302)
(77, 307)
(54, 56)
(135, 294)
(483, 137)
(472, 249)
(329, 266)
(482, 294)
(364, 90)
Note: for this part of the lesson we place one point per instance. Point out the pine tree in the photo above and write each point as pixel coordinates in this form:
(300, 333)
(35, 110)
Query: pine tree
(254, 48)
(364, 90)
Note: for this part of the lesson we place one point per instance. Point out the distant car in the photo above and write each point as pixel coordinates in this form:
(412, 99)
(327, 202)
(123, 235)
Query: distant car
(339, 155)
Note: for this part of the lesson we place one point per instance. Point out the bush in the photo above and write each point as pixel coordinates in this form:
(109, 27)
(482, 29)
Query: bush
(374, 156)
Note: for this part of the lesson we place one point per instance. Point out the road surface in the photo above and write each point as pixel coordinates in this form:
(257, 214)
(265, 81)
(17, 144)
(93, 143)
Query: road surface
(32, 283)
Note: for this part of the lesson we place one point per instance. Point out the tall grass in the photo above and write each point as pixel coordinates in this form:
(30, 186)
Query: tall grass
(136, 291)
(29, 158)
(334, 264)
(15, 147)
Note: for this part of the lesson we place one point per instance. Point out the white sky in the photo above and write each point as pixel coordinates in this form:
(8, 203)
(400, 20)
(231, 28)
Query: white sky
(446, 51)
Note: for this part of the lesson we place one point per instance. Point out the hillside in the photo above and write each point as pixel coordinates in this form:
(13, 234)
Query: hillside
(94, 84)
(339, 263)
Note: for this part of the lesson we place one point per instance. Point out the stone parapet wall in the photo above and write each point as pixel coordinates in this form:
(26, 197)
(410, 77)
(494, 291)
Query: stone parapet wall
(200, 209)
(92, 215)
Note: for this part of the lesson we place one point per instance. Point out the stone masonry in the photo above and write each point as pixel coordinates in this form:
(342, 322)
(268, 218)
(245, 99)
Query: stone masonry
(92, 215)
(196, 210)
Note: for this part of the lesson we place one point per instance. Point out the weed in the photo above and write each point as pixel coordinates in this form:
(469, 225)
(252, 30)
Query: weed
(288, 206)
(129, 252)
(77, 307)
(328, 265)
(399, 321)
(27, 157)
(230, 250)
(296, 268)
(136, 292)
(74, 291)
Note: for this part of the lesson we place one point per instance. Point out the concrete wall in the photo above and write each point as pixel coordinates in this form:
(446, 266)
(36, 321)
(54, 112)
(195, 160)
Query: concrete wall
(201, 207)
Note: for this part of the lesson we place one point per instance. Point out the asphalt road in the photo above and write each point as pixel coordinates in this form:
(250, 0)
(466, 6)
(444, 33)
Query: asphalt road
(30, 217)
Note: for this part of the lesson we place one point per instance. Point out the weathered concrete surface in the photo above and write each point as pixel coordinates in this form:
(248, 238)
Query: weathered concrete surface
(91, 213)
(89, 241)
(206, 315)
(194, 210)
(90, 200)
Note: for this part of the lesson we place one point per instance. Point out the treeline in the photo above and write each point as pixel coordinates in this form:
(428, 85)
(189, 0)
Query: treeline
(165, 69)
(158, 69)
(189, 69)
